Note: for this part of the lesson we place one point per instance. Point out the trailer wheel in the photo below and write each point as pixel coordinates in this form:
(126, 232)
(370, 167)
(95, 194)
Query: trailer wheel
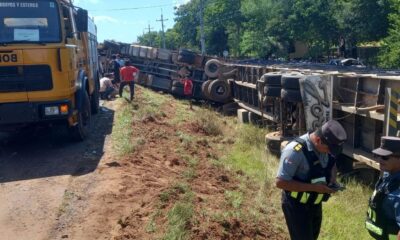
(272, 79)
(272, 91)
(291, 82)
(260, 90)
(204, 89)
(212, 68)
(95, 98)
(81, 130)
(290, 95)
(220, 91)
(273, 142)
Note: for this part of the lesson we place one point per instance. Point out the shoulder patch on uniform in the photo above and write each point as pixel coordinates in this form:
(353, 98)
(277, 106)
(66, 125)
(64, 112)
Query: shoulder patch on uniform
(298, 147)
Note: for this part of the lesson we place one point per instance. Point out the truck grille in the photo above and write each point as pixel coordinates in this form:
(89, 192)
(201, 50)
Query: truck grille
(25, 78)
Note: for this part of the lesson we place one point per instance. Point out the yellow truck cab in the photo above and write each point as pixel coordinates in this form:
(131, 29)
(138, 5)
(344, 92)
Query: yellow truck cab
(48, 65)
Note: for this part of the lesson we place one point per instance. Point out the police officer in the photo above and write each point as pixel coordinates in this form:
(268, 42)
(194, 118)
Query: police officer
(307, 167)
(383, 216)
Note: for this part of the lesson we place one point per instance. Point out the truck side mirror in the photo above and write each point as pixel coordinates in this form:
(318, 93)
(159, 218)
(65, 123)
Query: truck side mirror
(82, 20)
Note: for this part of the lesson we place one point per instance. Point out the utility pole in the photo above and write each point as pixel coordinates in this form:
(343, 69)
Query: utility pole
(202, 38)
(150, 40)
(162, 27)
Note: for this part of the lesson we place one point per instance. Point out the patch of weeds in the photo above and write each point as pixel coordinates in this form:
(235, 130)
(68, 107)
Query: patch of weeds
(67, 198)
(122, 130)
(186, 140)
(152, 226)
(234, 198)
(209, 122)
(189, 174)
(165, 196)
(178, 219)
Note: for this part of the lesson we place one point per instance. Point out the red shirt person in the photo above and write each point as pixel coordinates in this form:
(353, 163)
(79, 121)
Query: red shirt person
(128, 75)
(188, 89)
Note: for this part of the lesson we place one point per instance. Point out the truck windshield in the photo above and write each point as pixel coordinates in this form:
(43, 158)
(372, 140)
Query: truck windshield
(29, 21)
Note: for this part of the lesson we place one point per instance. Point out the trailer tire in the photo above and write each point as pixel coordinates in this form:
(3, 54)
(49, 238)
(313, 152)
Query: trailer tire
(291, 82)
(212, 68)
(289, 95)
(204, 89)
(220, 91)
(95, 98)
(272, 91)
(82, 129)
(272, 79)
(177, 83)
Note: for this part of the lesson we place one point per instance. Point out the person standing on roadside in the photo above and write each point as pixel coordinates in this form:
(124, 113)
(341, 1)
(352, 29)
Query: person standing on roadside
(383, 216)
(307, 176)
(115, 66)
(188, 90)
(120, 61)
(128, 76)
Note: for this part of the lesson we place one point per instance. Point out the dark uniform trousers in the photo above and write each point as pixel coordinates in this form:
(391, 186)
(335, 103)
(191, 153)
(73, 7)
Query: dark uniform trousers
(303, 220)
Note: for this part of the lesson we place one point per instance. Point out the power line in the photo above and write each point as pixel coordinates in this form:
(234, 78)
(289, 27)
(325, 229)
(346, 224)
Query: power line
(133, 8)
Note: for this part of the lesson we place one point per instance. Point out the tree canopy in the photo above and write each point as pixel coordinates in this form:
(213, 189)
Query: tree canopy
(269, 28)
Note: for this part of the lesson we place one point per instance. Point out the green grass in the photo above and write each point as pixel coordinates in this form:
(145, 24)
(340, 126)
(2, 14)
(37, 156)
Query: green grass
(122, 130)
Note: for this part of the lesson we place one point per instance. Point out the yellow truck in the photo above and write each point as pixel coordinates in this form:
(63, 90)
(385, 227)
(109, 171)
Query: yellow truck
(48, 65)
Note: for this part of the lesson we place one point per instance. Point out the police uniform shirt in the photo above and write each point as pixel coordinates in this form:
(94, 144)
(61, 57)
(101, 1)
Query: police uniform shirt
(294, 164)
(391, 203)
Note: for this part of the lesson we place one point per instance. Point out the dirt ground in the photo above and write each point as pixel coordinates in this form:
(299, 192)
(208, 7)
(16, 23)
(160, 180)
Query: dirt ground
(51, 188)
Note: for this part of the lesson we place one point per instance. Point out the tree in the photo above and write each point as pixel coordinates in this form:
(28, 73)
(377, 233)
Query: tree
(390, 53)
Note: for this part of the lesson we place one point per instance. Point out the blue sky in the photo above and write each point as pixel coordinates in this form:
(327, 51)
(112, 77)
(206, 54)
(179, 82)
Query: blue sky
(127, 25)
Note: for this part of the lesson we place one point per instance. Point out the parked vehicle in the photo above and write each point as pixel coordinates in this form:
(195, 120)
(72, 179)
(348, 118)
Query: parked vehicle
(49, 66)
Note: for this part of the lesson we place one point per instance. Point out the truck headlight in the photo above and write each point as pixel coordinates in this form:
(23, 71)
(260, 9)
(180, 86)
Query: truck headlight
(51, 111)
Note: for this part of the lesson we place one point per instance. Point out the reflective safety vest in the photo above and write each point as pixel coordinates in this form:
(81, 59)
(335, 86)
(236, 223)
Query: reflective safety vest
(378, 225)
(316, 174)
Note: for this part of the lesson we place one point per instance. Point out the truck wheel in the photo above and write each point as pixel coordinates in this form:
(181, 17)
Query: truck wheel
(204, 89)
(272, 91)
(272, 79)
(212, 68)
(291, 82)
(220, 91)
(290, 95)
(82, 129)
(94, 100)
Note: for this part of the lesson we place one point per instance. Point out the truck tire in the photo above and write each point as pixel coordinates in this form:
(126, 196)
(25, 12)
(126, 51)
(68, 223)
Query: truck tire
(220, 91)
(291, 82)
(272, 91)
(289, 95)
(81, 130)
(204, 89)
(212, 68)
(260, 90)
(272, 79)
(95, 98)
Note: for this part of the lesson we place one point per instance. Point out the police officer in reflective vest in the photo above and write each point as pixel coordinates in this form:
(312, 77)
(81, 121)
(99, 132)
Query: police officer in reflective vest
(307, 167)
(383, 216)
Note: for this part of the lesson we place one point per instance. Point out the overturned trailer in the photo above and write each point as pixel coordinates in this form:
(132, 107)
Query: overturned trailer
(291, 99)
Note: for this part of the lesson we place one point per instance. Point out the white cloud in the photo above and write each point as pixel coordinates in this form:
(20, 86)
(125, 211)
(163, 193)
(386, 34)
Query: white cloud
(177, 3)
(99, 19)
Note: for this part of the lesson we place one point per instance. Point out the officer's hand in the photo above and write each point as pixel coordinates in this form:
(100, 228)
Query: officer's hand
(322, 188)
